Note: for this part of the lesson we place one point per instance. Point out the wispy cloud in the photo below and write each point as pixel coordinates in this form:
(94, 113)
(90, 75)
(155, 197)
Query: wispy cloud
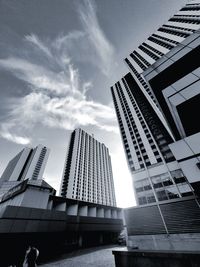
(6, 134)
(36, 43)
(56, 96)
(104, 49)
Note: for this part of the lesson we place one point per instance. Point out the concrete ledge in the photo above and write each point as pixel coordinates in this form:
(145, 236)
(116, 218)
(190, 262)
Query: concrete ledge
(23, 219)
(144, 258)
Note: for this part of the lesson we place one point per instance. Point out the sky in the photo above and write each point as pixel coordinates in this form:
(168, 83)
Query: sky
(58, 60)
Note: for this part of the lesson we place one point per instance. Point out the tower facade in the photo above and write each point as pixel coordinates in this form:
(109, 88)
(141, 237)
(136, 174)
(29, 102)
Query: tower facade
(37, 160)
(27, 164)
(179, 98)
(146, 134)
(87, 173)
(185, 22)
(156, 174)
(157, 46)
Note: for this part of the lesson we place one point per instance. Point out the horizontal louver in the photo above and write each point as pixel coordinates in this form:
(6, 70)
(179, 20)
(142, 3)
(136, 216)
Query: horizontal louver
(180, 217)
(144, 221)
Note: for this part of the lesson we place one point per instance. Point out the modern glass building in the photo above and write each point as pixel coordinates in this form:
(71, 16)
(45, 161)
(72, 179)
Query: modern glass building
(179, 99)
(146, 132)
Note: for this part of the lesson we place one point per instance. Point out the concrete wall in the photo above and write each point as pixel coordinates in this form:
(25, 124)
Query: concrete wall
(147, 258)
(187, 242)
(100, 212)
(38, 194)
(17, 201)
(92, 211)
(72, 210)
(57, 206)
(72, 207)
(82, 210)
(15, 219)
(186, 151)
(169, 226)
(35, 198)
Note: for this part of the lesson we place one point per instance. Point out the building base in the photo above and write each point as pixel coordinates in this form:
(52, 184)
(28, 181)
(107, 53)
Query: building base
(156, 258)
(174, 242)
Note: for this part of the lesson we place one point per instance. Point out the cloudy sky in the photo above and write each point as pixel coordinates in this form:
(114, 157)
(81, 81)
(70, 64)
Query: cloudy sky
(58, 59)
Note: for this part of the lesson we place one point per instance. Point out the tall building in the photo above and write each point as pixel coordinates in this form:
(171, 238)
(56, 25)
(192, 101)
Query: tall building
(168, 36)
(27, 164)
(87, 173)
(178, 96)
(145, 131)
(156, 173)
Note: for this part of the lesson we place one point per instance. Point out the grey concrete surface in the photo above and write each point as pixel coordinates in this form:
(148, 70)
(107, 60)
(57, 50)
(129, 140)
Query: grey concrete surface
(95, 257)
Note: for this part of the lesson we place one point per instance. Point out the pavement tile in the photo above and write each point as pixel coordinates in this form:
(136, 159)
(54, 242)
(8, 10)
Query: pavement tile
(99, 257)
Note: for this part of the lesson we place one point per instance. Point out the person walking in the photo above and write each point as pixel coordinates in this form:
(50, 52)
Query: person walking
(31, 256)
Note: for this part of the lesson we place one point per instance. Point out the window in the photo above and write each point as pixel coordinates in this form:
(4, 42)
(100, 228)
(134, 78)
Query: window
(161, 195)
(161, 180)
(184, 35)
(142, 66)
(141, 58)
(172, 192)
(142, 200)
(161, 43)
(151, 198)
(142, 185)
(149, 53)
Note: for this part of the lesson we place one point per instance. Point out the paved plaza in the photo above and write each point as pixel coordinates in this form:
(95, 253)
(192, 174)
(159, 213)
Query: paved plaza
(97, 257)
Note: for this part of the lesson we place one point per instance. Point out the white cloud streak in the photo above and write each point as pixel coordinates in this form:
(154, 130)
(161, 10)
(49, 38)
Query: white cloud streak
(55, 95)
(104, 49)
(5, 133)
(36, 43)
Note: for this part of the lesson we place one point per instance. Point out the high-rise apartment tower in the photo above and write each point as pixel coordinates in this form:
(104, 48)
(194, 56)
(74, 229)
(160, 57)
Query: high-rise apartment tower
(27, 164)
(87, 173)
(146, 134)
